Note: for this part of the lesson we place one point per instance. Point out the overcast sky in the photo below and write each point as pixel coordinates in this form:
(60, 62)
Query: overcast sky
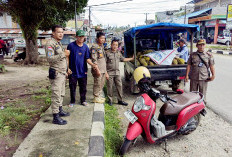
(130, 12)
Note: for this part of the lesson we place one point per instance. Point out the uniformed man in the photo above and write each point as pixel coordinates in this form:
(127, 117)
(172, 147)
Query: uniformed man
(56, 57)
(98, 58)
(198, 67)
(113, 57)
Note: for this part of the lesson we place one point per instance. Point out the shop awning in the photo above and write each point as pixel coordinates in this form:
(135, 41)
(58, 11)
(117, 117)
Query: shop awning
(197, 13)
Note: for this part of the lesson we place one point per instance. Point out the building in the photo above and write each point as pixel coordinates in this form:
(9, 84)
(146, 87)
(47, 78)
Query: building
(7, 22)
(210, 15)
(175, 16)
(165, 16)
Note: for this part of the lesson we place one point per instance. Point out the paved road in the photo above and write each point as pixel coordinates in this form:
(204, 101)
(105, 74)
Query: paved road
(211, 138)
(219, 94)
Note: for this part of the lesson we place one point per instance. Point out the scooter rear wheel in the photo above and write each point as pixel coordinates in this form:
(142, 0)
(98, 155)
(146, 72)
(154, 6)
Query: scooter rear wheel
(126, 144)
(191, 125)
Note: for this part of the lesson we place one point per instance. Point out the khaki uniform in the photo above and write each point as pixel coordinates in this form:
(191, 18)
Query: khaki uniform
(112, 66)
(98, 57)
(57, 60)
(199, 72)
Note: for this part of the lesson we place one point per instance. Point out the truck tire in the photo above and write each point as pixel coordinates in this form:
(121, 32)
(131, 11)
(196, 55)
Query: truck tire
(133, 87)
(177, 85)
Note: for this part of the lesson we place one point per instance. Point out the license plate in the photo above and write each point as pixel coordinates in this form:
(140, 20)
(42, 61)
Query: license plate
(162, 82)
(130, 116)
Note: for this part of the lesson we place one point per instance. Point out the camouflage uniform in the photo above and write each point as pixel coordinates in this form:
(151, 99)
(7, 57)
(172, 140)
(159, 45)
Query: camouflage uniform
(198, 71)
(98, 57)
(57, 60)
(112, 66)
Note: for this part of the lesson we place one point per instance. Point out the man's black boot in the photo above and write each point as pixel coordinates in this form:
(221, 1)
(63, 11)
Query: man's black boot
(122, 103)
(58, 120)
(62, 113)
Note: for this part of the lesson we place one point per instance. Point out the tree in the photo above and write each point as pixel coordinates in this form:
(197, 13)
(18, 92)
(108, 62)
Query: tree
(32, 15)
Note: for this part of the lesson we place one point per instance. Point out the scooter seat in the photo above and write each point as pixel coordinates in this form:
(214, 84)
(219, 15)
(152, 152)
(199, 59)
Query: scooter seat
(182, 101)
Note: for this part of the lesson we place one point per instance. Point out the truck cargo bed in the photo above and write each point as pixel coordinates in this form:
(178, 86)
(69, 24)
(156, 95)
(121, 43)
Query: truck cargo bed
(160, 72)
(167, 72)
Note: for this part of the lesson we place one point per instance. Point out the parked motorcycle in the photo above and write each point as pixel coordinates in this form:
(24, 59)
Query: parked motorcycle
(178, 115)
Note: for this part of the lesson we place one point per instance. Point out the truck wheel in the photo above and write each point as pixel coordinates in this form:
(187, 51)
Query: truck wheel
(177, 85)
(133, 87)
(126, 144)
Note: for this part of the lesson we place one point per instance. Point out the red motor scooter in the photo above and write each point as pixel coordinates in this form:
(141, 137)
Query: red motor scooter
(178, 115)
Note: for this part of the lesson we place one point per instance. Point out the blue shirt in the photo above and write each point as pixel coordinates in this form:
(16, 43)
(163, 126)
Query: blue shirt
(78, 59)
(183, 52)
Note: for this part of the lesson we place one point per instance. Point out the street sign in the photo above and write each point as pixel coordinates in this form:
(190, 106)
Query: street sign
(229, 13)
(229, 17)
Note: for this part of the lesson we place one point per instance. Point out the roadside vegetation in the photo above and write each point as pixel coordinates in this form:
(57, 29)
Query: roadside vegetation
(213, 47)
(21, 108)
(2, 68)
(15, 115)
(217, 47)
(113, 132)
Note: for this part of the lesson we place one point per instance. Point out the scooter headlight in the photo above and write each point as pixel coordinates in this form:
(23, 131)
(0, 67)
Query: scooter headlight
(138, 105)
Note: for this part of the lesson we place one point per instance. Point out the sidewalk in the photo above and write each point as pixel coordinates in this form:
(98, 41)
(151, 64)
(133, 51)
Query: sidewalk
(71, 140)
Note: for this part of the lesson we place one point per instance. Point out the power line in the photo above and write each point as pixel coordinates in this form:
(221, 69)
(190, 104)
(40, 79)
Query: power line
(140, 4)
(143, 8)
(109, 3)
(99, 21)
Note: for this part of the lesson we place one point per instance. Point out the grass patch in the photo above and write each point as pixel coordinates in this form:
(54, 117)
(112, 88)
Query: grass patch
(217, 47)
(2, 68)
(16, 114)
(41, 91)
(12, 118)
(113, 132)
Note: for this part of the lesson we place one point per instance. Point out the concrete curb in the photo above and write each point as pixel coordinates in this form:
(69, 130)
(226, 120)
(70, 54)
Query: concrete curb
(96, 142)
(222, 52)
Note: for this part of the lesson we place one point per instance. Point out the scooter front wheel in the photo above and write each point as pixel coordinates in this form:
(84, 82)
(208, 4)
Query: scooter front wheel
(126, 144)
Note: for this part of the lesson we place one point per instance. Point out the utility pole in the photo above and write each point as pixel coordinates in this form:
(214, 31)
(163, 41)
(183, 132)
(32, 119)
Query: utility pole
(89, 16)
(90, 44)
(184, 14)
(75, 17)
(146, 18)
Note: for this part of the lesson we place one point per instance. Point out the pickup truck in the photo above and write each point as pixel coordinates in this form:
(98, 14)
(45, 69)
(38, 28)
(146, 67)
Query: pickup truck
(158, 37)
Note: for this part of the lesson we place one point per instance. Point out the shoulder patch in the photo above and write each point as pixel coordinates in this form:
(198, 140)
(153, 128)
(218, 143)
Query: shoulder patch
(50, 51)
(50, 48)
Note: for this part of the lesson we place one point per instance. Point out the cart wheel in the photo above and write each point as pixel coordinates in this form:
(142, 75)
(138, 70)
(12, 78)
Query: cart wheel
(126, 144)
